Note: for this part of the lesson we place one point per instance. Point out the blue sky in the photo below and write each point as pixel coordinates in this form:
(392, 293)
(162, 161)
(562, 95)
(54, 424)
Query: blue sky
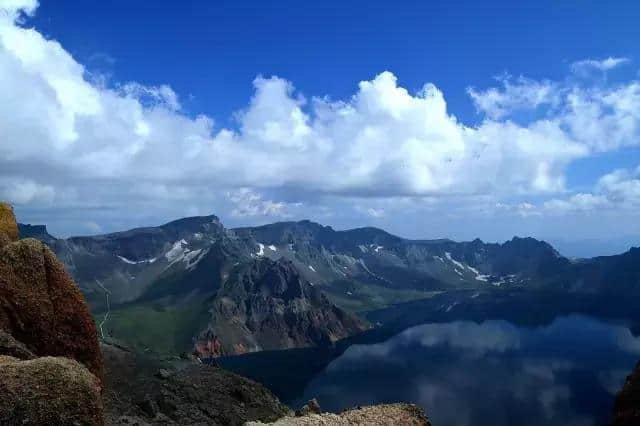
(213, 50)
(492, 119)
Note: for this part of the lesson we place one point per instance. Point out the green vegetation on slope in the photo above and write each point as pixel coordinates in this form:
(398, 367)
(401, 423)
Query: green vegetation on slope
(359, 298)
(152, 327)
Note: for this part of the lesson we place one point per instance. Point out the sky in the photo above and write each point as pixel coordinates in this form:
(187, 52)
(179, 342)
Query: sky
(453, 119)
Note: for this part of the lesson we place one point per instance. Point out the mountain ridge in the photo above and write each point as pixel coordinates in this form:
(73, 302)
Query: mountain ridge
(187, 267)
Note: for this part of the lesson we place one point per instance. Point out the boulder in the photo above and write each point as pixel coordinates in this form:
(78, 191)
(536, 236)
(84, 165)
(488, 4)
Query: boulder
(311, 407)
(11, 347)
(380, 415)
(8, 225)
(41, 306)
(48, 391)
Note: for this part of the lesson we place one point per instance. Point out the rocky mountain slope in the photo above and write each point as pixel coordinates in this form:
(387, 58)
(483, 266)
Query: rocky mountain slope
(191, 284)
(264, 305)
(193, 280)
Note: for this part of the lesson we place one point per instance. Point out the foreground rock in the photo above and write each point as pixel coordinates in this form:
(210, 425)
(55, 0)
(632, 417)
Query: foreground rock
(8, 224)
(627, 405)
(48, 391)
(48, 342)
(143, 390)
(376, 415)
(42, 308)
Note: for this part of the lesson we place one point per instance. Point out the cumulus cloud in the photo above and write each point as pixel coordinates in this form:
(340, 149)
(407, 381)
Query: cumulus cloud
(375, 213)
(67, 140)
(247, 202)
(518, 94)
(621, 186)
(602, 65)
(618, 190)
(577, 202)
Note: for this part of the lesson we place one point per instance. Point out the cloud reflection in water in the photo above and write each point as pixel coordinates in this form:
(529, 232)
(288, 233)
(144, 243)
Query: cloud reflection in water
(494, 373)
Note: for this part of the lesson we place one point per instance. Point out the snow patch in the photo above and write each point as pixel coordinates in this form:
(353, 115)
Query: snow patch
(177, 251)
(312, 268)
(134, 262)
(451, 306)
(194, 257)
(125, 260)
(363, 248)
(472, 269)
(452, 260)
(273, 248)
(260, 251)
(378, 248)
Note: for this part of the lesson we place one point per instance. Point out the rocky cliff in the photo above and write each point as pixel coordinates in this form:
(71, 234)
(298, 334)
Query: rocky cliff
(267, 305)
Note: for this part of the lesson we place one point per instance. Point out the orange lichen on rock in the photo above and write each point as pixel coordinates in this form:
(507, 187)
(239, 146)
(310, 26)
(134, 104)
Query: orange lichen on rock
(8, 225)
(41, 306)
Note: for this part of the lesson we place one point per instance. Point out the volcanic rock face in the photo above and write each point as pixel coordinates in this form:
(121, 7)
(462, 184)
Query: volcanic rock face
(48, 391)
(266, 305)
(626, 411)
(41, 307)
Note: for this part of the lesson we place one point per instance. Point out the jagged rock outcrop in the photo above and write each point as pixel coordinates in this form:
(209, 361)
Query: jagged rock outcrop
(267, 305)
(48, 391)
(144, 390)
(41, 307)
(376, 415)
(626, 410)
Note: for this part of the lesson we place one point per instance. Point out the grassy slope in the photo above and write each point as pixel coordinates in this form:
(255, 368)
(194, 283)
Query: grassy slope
(152, 327)
(371, 297)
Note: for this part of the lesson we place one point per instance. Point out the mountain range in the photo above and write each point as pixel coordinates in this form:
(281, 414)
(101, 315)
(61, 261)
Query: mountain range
(194, 285)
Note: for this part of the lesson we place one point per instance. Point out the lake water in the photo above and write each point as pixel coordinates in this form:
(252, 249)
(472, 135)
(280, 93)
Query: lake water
(493, 373)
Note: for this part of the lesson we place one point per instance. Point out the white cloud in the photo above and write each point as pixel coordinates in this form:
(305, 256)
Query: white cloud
(577, 202)
(617, 190)
(12, 8)
(375, 213)
(603, 65)
(25, 191)
(68, 141)
(152, 95)
(247, 202)
(522, 209)
(621, 186)
(522, 94)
